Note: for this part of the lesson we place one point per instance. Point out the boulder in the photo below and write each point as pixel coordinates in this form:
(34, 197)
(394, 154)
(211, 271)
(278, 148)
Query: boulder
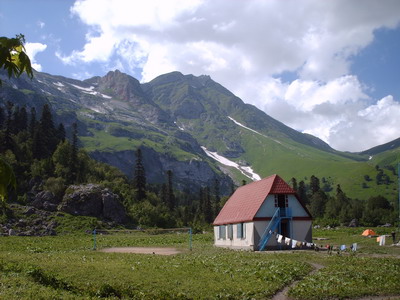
(44, 197)
(49, 206)
(93, 200)
(83, 200)
(112, 207)
(29, 211)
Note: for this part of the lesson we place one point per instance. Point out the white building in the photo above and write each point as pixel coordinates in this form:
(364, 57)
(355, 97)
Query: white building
(256, 212)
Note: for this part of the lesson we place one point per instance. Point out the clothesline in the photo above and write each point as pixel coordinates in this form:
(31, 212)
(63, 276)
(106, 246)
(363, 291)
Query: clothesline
(299, 244)
(381, 240)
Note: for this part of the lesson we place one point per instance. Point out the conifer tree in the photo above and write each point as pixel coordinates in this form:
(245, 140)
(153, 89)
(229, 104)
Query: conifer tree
(74, 153)
(15, 120)
(46, 138)
(61, 132)
(170, 191)
(73, 161)
(314, 184)
(294, 183)
(2, 118)
(163, 194)
(217, 198)
(302, 192)
(23, 119)
(32, 122)
(317, 204)
(37, 143)
(207, 205)
(200, 209)
(139, 177)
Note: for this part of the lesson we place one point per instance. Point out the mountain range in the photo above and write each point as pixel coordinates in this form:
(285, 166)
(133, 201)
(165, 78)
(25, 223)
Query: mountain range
(198, 129)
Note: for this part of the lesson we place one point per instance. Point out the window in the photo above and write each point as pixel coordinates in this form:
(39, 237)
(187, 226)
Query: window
(281, 200)
(241, 231)
(230, 231)
(222, 232)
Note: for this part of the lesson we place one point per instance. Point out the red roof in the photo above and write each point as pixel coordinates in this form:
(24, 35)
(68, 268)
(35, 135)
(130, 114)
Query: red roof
(243, 205)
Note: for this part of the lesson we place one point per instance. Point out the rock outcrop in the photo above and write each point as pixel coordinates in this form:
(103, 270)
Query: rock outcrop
(45, 200)
(30, 222)
(93, 200)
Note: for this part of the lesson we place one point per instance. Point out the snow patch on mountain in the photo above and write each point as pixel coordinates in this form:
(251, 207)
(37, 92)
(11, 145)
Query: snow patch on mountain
(180, 128)
(245, 170)
(252, 130)
(90, 90)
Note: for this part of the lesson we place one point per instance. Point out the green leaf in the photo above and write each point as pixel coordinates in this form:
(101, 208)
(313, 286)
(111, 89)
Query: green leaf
(13, 57)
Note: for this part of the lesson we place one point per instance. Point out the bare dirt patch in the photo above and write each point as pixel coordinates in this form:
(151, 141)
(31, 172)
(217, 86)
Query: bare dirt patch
(143, 250)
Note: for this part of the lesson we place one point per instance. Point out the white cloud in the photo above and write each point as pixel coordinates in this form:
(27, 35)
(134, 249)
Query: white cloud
(41, 24)
(339, 112)
(32, 49)
(244, 45)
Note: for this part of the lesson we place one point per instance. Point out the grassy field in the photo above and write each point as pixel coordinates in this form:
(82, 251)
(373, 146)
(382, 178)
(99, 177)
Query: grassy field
(66, 267)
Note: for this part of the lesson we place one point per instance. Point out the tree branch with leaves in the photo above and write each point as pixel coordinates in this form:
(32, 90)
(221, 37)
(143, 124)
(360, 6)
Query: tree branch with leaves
(15, 61)
(13, 57)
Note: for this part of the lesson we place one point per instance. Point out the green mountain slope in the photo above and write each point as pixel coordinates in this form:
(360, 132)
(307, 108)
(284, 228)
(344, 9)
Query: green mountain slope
(200, 130)
(240, 132)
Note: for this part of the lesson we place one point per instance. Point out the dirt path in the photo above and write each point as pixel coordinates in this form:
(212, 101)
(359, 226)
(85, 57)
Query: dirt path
(142, 250)
(282, 294)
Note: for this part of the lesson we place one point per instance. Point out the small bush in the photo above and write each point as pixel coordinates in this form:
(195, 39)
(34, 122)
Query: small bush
(106, 290)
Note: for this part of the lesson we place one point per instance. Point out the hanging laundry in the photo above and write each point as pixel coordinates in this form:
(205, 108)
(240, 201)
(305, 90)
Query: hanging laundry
(280, 237)
(287, 241)
(298, 244)
(309, 245)
(354, 247)
(294, 242)
(382, 240)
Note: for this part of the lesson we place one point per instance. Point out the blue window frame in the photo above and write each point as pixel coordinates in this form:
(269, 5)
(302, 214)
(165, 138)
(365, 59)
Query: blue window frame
(222, 232)
(230, 231)
(241, 230)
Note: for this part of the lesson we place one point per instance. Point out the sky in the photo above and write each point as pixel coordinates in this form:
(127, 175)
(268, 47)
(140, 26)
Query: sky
(328, 68)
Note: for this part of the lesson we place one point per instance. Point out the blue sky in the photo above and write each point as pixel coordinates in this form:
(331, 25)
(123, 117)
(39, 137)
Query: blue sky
(328, 68)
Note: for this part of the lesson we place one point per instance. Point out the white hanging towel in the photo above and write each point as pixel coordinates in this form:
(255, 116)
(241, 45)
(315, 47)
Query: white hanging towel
(382, 240)
(354, 247)
(287, 241)
(280, 237)
(294, 242)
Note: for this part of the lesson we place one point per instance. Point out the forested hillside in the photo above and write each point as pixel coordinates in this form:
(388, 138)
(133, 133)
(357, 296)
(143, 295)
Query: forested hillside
(44, 158)
(194, 141)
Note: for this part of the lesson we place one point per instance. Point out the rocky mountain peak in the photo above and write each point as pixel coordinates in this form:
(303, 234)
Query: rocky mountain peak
(122, 86)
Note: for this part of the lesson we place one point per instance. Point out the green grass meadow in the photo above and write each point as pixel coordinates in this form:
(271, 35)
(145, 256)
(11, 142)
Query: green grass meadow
(67, 267)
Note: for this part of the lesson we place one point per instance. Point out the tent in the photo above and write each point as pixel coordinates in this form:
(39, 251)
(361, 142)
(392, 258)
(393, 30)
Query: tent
(368, 232)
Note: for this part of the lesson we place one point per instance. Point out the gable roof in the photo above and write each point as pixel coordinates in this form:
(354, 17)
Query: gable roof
(243, 205)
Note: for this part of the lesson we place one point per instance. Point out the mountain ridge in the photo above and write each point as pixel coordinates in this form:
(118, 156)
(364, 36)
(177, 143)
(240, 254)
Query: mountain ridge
(174, 117)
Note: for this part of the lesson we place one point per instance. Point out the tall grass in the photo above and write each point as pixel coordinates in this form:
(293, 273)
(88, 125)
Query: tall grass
(66, 267)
